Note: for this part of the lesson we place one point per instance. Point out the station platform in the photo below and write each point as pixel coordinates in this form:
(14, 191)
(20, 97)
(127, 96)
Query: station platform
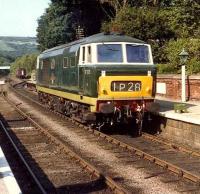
(8, 184)
(167, 110)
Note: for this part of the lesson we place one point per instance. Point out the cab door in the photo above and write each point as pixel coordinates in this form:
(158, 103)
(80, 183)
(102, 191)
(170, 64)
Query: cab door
(65, 72)
(73, 76)
(85, 63)
(81, 70)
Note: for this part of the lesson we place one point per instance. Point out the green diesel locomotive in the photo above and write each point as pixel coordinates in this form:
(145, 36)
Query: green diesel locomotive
(100, 80)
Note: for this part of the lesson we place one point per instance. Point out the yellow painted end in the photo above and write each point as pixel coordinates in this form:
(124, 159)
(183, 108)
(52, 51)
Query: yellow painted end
(104, 89)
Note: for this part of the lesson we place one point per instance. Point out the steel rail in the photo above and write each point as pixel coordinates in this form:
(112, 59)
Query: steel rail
(172, 145)
(167, 165)
(22, 158)
(171, 167)
(116, 188)
(174, 168)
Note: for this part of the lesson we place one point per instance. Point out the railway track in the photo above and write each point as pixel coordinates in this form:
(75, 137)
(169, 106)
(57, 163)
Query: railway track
(145, 153)
(49, 161)
(23, 177)
(148, 136)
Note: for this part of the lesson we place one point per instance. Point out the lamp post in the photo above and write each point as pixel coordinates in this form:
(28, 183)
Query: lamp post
(183, 58)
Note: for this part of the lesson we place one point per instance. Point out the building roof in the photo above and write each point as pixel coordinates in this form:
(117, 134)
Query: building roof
(4, 67)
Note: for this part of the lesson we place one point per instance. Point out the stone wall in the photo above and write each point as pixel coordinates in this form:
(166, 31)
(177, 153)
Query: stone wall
(180, 132)
(169, 86)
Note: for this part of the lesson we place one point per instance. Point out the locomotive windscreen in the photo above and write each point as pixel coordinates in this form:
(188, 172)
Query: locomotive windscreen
(110, 53)
(137, 53)
(113, 53)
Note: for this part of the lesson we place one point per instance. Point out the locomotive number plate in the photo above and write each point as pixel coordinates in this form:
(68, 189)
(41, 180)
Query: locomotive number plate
(125, 86)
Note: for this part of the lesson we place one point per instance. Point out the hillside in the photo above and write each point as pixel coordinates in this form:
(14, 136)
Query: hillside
(13, 47)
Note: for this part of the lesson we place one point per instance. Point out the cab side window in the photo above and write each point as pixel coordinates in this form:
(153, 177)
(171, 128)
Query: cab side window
(86, 54)
(65, 62)
(83, 55)
(89, 54)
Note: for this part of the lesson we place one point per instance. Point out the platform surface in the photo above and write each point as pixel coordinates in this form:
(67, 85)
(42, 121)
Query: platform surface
(8, 184)
(167, 110)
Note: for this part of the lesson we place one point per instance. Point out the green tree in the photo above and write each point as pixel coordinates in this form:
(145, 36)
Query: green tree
(157, 22)
(54, 27)
(174, 47)
(59, 23)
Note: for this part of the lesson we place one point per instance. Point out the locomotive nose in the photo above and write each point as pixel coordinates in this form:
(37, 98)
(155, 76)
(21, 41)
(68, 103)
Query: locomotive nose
(125, 87)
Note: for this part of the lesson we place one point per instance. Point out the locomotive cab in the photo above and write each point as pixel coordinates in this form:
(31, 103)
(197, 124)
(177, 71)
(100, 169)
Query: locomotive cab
(125, 78)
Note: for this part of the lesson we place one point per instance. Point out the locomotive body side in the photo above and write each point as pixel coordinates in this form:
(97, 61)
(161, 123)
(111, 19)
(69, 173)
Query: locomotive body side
(100, 79)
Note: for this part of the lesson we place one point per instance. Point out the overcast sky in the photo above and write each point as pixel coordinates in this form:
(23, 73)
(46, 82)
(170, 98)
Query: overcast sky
(19, 17)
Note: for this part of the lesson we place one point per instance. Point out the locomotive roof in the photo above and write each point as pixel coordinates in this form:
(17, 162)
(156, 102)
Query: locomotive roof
(114, 37)
(97, 38)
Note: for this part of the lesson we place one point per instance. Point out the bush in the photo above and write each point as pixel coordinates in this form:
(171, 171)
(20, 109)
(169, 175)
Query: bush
(192, 46)
(165, 69)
